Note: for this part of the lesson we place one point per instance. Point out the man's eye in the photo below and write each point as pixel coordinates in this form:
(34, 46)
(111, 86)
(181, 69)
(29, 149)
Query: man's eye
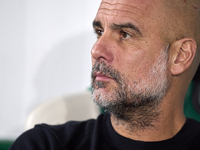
(124, 35)
(99, 33)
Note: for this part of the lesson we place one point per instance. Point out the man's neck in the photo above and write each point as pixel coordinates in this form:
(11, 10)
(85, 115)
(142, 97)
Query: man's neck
(164, 127)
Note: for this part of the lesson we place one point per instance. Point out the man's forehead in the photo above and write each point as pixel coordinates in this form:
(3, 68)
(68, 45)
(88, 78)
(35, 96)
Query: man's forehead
(144, 3)
(139, 7)
(129, 10)
(121, 7)
(135, 3)
(149, 8)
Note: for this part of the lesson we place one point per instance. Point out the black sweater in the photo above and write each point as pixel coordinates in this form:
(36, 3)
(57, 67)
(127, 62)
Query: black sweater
(100, 135)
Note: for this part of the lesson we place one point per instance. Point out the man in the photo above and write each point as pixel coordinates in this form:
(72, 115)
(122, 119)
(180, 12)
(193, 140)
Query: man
(145, 56)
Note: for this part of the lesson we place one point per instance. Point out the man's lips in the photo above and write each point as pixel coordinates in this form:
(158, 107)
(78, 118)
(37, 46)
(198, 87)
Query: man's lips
(101, 77)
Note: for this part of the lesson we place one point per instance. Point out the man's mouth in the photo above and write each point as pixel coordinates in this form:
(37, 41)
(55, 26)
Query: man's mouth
(102, 77)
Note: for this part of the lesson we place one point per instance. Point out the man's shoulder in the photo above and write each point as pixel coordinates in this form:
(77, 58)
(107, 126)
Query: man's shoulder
(74, 133)
(60, 136)
(191, 129)
(192, 125)
(194, 128)
(73, 127)
(189, 136)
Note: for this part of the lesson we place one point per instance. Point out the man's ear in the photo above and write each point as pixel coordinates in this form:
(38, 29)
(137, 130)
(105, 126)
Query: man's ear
(183, 55)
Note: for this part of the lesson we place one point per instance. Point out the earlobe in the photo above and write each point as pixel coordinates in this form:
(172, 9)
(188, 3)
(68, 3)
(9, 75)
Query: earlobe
(183, 56)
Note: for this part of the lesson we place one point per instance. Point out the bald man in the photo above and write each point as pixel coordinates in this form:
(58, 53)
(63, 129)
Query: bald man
(145, 56)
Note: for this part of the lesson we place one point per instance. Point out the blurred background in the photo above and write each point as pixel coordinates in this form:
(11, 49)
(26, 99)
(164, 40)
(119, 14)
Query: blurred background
(44, 53)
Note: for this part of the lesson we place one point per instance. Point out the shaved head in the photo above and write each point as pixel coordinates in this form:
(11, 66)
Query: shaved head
(182, 19)
(185, 22)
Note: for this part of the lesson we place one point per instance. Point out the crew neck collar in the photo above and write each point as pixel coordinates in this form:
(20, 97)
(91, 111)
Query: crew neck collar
(125, 143)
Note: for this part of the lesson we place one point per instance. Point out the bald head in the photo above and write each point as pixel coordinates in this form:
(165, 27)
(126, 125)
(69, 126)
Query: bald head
(161, 22)
(182, 20)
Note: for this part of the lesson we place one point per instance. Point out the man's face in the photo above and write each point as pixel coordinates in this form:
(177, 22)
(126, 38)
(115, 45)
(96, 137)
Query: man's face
(129, 58)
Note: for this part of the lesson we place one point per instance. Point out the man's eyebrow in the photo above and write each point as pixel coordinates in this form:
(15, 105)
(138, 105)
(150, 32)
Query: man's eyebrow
(97, 24)
(118, 26)
(126, 25)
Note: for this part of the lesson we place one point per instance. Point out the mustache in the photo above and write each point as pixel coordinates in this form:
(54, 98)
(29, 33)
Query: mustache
(102, 67)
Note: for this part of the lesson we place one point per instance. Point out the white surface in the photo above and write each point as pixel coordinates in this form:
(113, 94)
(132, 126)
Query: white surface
(44, 52)
(74, 107)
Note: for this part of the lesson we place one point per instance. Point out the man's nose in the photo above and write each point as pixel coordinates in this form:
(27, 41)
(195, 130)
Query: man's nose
(103, 49)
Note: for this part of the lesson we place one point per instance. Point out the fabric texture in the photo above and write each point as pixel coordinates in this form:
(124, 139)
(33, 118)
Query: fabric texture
(100, 135)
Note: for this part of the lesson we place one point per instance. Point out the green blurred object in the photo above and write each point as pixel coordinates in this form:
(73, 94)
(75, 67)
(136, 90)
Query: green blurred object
(5, 144)
(189, 110)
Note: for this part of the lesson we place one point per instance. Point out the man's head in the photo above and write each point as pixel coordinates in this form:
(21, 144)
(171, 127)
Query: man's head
(142, 49)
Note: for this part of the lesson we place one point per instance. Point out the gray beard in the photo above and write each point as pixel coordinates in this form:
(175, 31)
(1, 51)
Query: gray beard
(136, 104)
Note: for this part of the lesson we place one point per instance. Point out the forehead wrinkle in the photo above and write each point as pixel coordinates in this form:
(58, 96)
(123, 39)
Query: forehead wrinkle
(125, 11)
(114, 4)
(115, 15)
(121, 7)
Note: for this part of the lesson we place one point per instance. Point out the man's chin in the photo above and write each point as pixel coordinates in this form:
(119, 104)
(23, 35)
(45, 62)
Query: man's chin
(104, 93)
(103, 90)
